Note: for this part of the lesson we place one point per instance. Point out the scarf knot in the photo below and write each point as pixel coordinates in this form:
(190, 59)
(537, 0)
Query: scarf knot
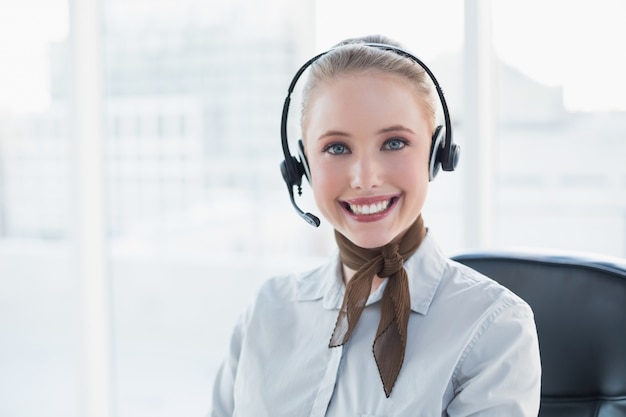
(392, 261)
(395, 307)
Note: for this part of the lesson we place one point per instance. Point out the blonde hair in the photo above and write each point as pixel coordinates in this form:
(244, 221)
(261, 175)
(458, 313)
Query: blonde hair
(353, 56)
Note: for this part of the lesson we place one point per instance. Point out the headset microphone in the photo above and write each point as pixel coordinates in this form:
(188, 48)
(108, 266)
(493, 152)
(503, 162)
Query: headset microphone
(293, 181)
(308, 217)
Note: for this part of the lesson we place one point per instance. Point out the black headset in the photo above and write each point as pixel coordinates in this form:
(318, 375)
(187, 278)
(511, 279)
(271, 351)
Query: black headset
(444, 153)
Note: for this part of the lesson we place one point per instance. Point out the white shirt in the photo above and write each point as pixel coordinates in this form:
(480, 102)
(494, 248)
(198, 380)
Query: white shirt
(472, 349)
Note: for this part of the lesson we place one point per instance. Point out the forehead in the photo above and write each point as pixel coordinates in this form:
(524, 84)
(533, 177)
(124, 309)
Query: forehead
(366, 75)
(364, 101)
(325, 86)
(364, 90)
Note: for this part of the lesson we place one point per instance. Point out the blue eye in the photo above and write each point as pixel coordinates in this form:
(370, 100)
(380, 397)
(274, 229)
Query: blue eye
(394, 144)
(336, 149)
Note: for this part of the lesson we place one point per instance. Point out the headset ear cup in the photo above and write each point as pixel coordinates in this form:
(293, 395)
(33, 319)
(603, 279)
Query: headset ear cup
(291, 171)
(452, 160)
(436, 152)
(304, 162)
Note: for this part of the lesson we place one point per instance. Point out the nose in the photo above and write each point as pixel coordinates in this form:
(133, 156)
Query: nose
(366, 172)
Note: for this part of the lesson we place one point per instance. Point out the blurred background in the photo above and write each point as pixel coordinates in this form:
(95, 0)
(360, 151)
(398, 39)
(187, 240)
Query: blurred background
(140, 212)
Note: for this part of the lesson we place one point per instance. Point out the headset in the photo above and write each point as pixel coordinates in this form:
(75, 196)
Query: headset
(444, 153)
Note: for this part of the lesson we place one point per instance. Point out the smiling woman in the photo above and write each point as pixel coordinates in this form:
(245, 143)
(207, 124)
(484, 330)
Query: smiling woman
(445, 340)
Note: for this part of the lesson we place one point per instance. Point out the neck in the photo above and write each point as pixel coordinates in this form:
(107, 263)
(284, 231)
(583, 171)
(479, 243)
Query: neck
(349, 273)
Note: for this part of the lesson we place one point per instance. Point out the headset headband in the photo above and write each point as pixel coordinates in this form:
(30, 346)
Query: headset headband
(447, 164)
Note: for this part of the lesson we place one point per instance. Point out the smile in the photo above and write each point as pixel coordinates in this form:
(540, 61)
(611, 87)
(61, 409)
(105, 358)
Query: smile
(369, 208)
(364, 208)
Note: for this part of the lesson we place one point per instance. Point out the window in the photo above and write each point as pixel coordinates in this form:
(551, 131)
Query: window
(196, 213)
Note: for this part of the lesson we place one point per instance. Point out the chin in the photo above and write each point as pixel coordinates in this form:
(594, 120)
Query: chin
(369, 240)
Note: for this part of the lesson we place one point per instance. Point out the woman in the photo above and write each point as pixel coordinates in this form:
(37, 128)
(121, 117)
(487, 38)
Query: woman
(411, 332)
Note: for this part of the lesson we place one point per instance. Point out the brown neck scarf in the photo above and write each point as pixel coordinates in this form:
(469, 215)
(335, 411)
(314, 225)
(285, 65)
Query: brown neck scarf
(385, 262)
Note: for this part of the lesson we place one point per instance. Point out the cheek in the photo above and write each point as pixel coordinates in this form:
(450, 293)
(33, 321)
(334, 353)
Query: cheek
(326, 182)
(413, 167)
(323, 176)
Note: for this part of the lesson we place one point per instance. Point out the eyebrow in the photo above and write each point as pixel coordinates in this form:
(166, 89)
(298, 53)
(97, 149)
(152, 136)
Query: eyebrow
(394, 128)
(333, 133)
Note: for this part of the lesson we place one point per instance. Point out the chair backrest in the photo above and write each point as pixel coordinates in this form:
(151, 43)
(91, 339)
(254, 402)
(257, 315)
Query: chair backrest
(580, 311)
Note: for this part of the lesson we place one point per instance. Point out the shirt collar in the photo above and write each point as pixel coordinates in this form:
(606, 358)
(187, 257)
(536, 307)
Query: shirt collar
(425, 270)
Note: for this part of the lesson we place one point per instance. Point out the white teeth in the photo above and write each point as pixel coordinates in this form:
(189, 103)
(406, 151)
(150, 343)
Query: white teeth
(369, 209)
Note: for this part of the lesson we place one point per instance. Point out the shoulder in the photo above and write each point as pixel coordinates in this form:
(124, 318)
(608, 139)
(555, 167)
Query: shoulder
(482, 298)
(460, 277)
(452, 288)
(496, 318)
(309, 285)
(461, 280)
(448, 293)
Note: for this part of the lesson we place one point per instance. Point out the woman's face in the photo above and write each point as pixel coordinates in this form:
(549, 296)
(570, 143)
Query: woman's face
(367, 141)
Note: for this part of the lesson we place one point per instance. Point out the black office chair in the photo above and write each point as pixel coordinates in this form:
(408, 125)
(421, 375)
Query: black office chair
(580, 310)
